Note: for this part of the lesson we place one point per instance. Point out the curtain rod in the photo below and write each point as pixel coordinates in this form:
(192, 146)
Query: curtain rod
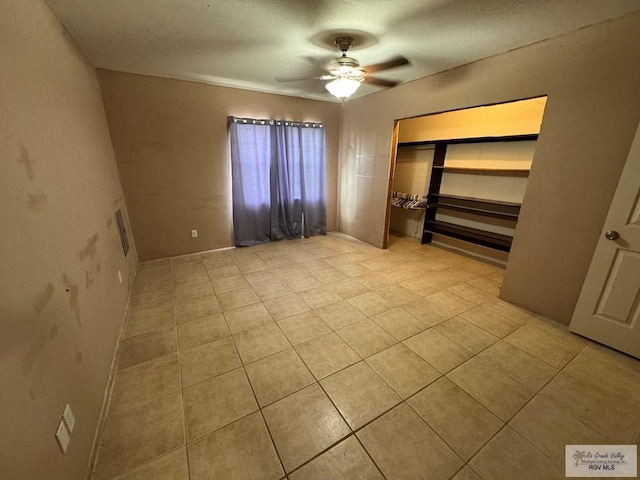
(287, 123)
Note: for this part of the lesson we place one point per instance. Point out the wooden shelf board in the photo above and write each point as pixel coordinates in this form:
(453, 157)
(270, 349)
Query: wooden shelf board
(512, 172)
(508, 138)
(469, 234)
(479, 211)
(474, 199)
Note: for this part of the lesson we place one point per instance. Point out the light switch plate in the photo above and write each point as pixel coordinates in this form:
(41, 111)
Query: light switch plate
(69, 419)
(194, 233)
(63, 437)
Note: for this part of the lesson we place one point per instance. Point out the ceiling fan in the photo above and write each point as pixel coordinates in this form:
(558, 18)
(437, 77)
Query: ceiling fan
(346, 74)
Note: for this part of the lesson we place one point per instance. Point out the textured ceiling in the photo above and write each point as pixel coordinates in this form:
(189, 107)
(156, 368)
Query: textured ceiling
(247, 43)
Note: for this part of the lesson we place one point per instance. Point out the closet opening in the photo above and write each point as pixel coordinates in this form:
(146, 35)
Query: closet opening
(458, 179)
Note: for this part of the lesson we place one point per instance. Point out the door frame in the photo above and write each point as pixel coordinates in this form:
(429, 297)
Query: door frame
(392, 170)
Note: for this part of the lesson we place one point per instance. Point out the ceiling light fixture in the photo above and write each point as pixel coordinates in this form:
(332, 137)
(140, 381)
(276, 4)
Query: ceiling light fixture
(343, 87)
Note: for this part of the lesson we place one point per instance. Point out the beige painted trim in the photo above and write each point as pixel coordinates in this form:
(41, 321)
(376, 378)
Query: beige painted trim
(392, 170)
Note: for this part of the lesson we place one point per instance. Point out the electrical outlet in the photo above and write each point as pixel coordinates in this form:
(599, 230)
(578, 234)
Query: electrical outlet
(63, 437)
(68, 418)
(120, 277)
(194, 233)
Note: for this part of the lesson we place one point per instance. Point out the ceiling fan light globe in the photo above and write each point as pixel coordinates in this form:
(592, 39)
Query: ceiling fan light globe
(342, 87)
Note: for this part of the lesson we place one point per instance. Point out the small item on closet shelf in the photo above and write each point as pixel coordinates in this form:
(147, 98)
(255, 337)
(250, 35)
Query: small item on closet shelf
(408, 201)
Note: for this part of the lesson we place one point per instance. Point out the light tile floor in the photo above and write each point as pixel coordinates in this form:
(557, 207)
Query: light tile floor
(326, 358)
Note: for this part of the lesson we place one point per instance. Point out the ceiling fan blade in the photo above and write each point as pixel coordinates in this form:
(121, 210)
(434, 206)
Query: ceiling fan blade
(296, 79)
(318, 70)
(319, 61)
(381, 82)
(397, 61)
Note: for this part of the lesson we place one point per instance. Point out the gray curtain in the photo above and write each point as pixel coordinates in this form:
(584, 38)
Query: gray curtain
(278, 176)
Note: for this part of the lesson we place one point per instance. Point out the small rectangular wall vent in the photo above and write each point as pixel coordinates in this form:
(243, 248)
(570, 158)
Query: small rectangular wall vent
(123, 232)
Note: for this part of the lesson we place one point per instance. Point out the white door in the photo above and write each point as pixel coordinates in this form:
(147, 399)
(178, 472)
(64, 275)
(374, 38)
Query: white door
(608, 310)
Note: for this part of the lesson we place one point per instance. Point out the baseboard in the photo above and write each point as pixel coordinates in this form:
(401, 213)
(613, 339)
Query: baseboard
(93, 457)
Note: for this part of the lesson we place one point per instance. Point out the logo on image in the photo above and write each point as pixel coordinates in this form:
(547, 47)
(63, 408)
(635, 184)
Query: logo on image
(601, 460)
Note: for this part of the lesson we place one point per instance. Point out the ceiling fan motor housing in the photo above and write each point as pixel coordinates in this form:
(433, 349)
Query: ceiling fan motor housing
(346, 66)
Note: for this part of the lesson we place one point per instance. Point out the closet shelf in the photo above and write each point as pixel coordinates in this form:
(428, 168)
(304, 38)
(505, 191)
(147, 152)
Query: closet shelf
(490, 208)
(479, 211)
(454, 141)
(483, 211)
(469, 234)
(511, 172)
(448, 197)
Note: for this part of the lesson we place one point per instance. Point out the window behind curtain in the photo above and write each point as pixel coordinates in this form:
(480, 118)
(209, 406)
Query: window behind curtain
(278, 172)
(313, 181)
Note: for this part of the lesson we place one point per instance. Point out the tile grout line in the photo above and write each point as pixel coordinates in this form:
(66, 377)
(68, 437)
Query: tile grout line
(190, 441)
(530, 321)
(116, 358)
(273, 443)
(317, 381)
(255, 398)
(292, 393)
(259, 410)
(369, 455)
(507, 422)
(177, 342)
(353, 431)
(464, 462)
(536, 392)
(178, 349)
(333, 331)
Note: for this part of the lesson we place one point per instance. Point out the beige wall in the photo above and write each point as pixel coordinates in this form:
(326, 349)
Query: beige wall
(171, 144)
(61, 304)
(591, 78)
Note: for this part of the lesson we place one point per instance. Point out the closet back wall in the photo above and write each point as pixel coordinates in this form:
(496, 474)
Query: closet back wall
(171, 144)
(412, 174)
